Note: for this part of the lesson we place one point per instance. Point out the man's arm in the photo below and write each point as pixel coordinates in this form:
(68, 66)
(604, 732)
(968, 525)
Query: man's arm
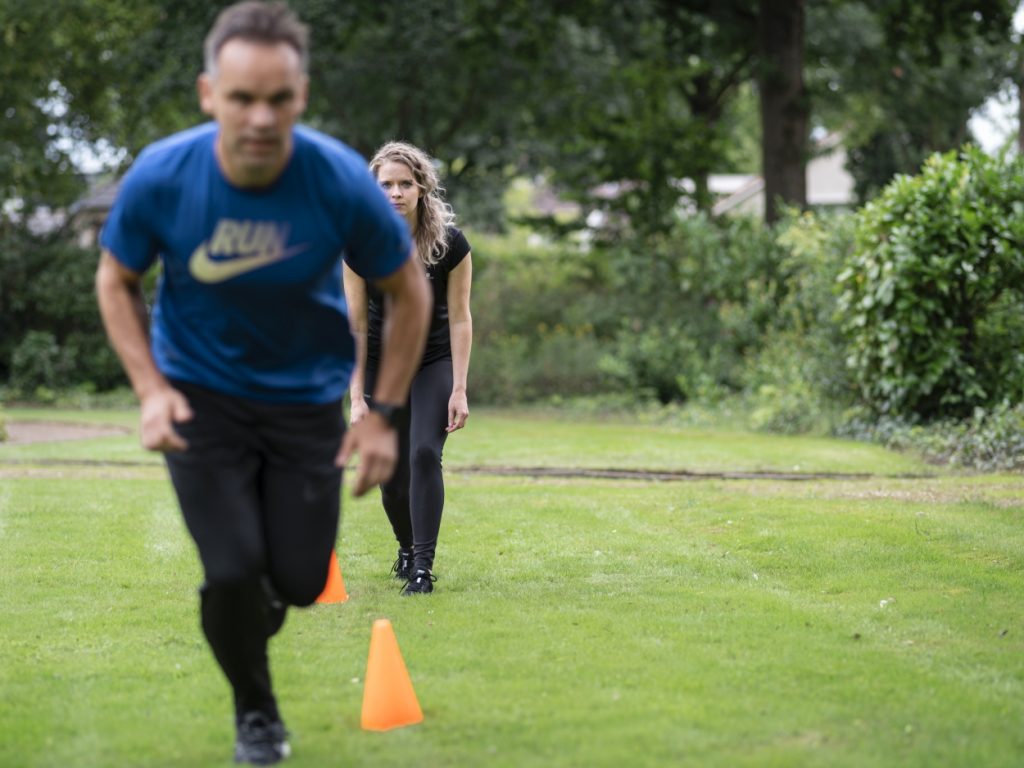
(119, 293)
(405, 331)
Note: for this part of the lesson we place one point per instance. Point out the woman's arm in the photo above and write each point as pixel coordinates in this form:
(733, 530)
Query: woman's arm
(356, 298)
(460, 324)
(373, 438)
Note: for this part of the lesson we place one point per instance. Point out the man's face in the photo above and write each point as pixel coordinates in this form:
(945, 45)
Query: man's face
(256, 95)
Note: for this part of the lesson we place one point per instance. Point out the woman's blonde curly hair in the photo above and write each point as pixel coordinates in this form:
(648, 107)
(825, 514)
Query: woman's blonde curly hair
(433, 214)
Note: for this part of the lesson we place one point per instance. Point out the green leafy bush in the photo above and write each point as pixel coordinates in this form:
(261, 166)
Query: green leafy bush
(496, 375)
(992, 439)
(666, 317)
(706, 311)
(989, 440)
(795, 379)
(931, 300)
(540, 320)
(96, 367)
(38, 362)
(789, 405)
(512, 368)
(691, 304)
(655, 361)
(51, 336)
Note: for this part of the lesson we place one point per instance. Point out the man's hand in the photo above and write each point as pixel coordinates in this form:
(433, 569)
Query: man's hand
(377, 446)
(160, 410)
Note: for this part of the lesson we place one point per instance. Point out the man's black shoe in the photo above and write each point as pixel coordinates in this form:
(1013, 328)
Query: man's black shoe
(260, 741)
(420, 583)
(403, 565)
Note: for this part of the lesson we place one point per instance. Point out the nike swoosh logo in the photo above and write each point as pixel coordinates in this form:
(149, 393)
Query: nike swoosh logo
(206, 270)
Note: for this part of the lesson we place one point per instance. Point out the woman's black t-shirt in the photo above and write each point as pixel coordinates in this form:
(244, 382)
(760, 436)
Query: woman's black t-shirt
(439, 340)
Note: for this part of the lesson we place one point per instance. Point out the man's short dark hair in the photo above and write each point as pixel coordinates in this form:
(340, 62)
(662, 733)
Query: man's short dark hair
(256, 22)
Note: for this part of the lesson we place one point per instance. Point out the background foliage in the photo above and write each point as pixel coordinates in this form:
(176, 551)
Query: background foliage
(932, 295)
(623, 109)
(584, 91)
(50, 332)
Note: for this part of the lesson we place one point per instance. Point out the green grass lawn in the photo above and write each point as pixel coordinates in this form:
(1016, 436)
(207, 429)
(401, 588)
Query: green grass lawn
(851, 622)
(524, 439)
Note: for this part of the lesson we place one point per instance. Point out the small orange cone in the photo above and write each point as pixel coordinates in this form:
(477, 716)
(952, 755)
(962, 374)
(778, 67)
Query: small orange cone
(388, 698)
(334, 590)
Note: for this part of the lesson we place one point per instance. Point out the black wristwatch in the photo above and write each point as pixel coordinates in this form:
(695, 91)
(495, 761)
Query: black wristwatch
(389, 411)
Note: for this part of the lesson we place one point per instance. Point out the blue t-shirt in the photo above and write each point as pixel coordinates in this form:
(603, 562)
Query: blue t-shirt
(250, 300)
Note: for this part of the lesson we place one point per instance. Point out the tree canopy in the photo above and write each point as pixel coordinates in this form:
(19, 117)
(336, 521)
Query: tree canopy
(644, 94)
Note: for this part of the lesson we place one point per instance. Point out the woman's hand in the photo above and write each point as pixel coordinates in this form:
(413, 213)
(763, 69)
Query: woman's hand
(358, 411)
(458, 411)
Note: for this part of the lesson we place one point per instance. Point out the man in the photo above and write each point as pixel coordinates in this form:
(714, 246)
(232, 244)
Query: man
(242, 382)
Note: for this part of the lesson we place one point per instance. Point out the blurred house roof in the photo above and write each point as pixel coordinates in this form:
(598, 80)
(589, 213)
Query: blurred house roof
(828, 182)
(99, 199)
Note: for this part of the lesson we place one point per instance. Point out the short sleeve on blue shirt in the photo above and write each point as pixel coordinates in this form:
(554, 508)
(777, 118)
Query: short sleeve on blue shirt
(127, 233)
(250, 300)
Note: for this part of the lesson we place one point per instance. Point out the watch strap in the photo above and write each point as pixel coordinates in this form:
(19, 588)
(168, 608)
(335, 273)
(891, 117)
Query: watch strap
(388, 411)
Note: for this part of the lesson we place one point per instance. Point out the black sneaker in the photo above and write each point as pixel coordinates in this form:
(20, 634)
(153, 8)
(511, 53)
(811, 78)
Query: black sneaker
(403, 565)
(420, 583)
(260, 740)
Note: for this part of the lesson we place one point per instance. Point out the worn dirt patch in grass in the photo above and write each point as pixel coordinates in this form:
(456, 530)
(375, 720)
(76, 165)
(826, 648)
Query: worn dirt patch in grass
(840, 485)
(24, 432)
(81, 472)
(613, 473)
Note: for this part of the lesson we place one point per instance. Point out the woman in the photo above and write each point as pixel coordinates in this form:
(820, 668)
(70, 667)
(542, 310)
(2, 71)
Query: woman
(437, 406)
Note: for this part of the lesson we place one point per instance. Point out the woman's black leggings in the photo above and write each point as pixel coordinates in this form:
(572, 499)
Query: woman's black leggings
(414, 496)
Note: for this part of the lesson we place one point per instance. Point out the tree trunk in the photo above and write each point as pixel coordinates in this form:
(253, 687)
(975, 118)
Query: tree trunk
(784, 104)
(1020, 103)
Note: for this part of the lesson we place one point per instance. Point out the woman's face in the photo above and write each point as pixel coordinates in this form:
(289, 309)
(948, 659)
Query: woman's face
(397, 181)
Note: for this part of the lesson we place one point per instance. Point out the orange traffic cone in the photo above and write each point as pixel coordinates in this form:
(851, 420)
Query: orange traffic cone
(388, 698)
(334, 590)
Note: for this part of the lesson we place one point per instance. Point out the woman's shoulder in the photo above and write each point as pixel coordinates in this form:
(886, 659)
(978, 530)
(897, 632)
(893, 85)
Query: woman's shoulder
(458, 245)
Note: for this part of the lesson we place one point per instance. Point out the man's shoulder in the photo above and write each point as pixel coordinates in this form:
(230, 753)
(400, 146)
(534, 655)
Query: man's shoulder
(332, 170)
(170, 154)
(178, 145)
(316, 144)
(168, 166)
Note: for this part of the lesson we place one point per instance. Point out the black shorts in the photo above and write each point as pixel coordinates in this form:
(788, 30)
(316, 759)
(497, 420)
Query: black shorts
(259, 489)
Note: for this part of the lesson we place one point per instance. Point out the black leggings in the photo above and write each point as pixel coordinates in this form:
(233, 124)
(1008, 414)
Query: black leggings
(414, 496)
(261, 498)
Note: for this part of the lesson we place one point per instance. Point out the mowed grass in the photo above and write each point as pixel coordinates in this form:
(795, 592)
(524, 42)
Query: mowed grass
(866, 622)
(526, 439)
